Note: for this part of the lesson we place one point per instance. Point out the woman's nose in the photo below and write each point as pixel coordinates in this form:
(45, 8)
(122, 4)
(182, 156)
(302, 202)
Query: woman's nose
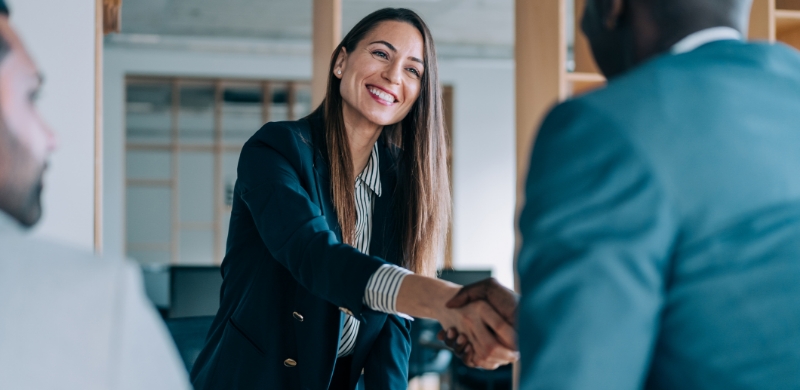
(392, 73)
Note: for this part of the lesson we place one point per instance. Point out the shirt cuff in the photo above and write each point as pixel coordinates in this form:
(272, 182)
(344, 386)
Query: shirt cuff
(383, 287)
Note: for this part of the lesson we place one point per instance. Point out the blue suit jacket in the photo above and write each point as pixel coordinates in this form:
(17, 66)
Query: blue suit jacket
(661, 232)
(285, 256)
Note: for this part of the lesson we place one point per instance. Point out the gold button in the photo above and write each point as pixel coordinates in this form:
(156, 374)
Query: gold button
(289, 363)
(298, 316)
(346, 311)
(362, 371)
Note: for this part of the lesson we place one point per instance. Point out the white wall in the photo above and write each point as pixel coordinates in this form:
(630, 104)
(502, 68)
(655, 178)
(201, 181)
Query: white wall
(484, 164)
(60, 36)
(483, 155)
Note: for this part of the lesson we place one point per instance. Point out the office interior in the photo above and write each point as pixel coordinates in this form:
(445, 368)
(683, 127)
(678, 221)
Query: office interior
(153, 99)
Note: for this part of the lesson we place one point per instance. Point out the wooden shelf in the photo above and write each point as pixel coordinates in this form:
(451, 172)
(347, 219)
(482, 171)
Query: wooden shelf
(582, 82)
(581, 77)
(787, 21)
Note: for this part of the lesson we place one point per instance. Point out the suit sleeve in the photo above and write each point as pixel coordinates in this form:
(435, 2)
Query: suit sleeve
(597, 233)
(143, 353)
(292, 227)
(386, 365)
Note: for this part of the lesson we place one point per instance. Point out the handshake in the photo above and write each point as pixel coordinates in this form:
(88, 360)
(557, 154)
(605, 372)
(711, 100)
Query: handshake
(480, 325)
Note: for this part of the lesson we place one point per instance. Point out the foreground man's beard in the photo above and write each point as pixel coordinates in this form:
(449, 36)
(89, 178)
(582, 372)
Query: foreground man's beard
(32, 210)
(23, 204)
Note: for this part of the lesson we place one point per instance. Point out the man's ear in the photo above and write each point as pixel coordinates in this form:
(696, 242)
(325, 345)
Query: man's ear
(341, 61)
(612, 11)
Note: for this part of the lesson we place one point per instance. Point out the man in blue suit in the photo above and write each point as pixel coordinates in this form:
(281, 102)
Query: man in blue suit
(661, 232)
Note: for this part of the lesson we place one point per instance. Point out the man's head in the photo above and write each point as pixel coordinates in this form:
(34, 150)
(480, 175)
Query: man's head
(25, 140)
(623, 33)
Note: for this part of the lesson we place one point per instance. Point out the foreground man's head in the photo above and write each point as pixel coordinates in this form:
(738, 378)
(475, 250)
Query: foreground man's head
(26, 141)
(624, 33)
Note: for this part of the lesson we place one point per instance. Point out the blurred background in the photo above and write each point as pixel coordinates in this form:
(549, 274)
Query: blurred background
(202, 66)
(152, 101)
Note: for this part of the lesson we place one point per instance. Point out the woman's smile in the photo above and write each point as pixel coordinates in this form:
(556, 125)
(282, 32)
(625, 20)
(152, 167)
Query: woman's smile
(381, 95)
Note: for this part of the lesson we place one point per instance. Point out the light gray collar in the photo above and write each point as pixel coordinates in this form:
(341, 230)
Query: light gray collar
(9, 225)
(702, 37)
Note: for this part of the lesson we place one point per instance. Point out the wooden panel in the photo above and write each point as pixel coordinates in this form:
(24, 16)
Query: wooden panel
(266, 100)
(788, 4)
(584, 60)
(540, 70)
(579, 83)
(791, 38)
(541, 56)
(786, 22)
(327, 25)
(762, 21)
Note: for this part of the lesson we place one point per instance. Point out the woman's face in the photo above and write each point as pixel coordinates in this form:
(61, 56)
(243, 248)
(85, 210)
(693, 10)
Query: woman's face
(381, 78)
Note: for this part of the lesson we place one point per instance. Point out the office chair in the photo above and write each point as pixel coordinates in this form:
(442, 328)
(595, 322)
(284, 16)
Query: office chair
(189, 334)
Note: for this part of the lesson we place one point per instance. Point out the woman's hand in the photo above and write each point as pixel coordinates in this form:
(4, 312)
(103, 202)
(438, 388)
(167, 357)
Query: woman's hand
(486, 339)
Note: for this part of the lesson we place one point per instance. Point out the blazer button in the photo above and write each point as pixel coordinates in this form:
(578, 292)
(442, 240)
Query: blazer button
(298, 316)
(289, 363)
(346, 311)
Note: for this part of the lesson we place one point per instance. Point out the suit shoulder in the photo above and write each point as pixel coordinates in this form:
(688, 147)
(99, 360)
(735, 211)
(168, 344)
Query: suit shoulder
(283, 134)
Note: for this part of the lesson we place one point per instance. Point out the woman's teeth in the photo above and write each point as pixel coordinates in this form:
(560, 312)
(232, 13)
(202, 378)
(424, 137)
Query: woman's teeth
(382, 95)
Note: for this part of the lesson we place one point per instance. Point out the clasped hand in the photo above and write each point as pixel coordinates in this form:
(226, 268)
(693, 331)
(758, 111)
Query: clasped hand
(480, 322)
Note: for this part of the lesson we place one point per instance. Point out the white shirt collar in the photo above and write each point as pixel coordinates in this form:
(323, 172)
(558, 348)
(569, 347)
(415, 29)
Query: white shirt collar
(371, 175)
(702, 37)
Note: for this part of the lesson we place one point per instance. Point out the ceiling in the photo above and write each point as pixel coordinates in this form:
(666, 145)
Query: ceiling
(452, 22)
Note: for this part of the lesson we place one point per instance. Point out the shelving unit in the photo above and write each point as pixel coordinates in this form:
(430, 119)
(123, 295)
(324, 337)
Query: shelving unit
(771, 20)
(542, 54)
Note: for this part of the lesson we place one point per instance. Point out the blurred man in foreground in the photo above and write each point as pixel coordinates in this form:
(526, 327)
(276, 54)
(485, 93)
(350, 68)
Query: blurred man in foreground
(661, 232)
(68, 320)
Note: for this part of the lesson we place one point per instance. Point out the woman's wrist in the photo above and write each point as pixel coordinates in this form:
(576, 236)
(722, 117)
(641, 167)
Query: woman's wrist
(424, 297)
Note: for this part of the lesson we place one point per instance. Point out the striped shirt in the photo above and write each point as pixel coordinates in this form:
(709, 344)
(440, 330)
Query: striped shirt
(383, 285)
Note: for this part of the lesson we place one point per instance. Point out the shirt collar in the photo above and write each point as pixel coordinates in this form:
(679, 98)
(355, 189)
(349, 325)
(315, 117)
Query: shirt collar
(702, 37)
(371, 175)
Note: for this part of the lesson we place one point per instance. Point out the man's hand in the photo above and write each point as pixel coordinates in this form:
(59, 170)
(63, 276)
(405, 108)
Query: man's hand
(492, 338)
(503, 300)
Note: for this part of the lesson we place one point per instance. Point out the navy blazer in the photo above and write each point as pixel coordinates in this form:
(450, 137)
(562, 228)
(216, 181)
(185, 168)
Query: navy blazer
(288, 278)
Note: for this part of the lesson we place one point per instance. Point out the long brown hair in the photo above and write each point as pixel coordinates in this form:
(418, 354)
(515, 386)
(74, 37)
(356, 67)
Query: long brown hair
(423, 188)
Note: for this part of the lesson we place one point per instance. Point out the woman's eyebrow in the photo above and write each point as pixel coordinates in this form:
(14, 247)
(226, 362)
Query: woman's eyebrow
(393, 49)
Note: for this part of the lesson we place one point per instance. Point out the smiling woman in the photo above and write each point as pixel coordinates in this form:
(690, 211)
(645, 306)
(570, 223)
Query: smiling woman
(337, 222)
(378, 84)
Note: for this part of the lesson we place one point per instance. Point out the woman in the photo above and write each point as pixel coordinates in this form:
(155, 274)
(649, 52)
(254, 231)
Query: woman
(331, 214)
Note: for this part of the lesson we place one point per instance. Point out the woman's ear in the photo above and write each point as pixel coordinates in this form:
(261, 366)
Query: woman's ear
(341, 61)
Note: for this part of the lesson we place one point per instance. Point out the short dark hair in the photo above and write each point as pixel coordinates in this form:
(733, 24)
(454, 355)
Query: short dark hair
(4, 46)
(731, 13)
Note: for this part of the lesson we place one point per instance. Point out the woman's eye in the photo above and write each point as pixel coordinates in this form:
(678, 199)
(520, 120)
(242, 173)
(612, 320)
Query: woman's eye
(414, 71)
(379, 54)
